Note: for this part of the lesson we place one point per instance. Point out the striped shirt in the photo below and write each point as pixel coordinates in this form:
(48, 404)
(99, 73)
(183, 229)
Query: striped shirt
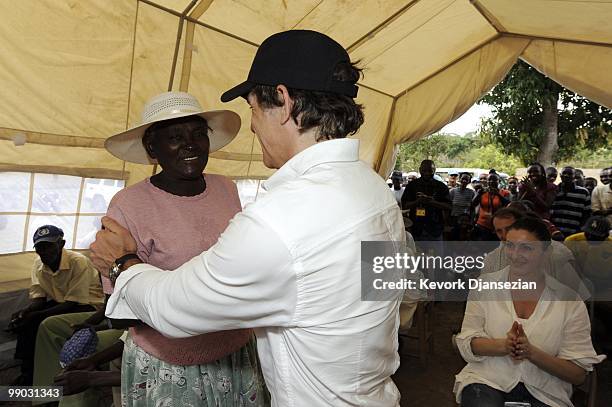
(570, 209)
(462, 200)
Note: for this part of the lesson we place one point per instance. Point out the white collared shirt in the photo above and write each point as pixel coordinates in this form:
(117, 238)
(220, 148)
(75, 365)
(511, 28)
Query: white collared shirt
(558, 326)
(289, 266)
(601, 199)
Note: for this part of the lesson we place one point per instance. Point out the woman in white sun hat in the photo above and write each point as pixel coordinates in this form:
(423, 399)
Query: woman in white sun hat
(175, 215)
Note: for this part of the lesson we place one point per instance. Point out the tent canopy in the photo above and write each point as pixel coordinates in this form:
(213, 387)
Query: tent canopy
(75, 72)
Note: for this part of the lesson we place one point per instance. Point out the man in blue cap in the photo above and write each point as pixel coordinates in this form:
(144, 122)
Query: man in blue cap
(63, 282)
(289, 264)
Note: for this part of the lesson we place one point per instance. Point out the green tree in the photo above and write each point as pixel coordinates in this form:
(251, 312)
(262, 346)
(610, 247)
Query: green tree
(539, 120)
(411, 154)
(583, 158)
(490, 156)
(455, 151)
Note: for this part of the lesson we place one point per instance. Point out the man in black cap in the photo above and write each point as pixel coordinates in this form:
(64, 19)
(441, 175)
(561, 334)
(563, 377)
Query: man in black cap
(63, 282)
(289, 264)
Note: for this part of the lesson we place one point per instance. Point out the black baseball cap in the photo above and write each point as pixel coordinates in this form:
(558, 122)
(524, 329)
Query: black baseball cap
(597, 226)
(47, 233)
(299, 59)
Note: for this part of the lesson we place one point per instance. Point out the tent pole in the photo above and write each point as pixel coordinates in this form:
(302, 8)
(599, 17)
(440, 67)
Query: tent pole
(375, 90)
(77, 216)
(129, 101)
(554, 39)
(482, 10)
(192, 18)
(28, 212)
(179, 34)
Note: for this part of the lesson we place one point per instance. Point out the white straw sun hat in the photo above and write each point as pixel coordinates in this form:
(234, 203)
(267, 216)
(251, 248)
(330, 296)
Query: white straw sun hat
(171, 105)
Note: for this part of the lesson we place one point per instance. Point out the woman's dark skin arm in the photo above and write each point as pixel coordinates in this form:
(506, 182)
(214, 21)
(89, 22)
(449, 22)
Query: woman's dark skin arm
(437, 204)
(104, 356)
(35, 311)
(77, 381)
(477, 199)
(530, 192)
(97, 320)
(82, 374)
(124, 323)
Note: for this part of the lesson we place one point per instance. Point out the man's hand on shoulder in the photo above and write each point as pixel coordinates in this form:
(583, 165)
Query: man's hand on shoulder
(112, 242)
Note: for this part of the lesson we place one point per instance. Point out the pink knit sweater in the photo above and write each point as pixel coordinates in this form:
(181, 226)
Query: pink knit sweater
(170, 230)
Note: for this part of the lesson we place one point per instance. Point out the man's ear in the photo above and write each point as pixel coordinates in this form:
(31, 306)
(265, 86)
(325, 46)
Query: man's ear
(283, 94)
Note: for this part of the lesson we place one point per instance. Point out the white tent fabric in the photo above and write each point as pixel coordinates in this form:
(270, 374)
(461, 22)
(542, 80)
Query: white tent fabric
(75, 72)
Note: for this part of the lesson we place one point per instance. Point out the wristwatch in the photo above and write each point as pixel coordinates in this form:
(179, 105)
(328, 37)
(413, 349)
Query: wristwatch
(117, 267)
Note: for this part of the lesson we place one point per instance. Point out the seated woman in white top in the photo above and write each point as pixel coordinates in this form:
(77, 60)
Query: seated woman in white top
(530, 342)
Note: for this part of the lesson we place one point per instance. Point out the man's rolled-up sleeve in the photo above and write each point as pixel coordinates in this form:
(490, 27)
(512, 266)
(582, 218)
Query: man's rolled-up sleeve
(246, 280)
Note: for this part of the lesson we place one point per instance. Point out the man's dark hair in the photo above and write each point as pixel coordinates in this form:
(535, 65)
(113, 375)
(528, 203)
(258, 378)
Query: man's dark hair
(335, 115)
(543, 180)
(506, 213)
(522, 206)
(427, 162)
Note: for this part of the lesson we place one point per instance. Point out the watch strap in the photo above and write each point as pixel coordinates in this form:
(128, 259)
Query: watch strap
(123, 259)
(117, 266)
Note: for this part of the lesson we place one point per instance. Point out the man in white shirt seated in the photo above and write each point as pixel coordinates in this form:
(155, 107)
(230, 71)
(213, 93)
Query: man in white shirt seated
(289, 264)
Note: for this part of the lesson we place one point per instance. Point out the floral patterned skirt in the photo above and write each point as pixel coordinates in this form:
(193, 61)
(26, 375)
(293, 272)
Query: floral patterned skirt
(232, 381)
